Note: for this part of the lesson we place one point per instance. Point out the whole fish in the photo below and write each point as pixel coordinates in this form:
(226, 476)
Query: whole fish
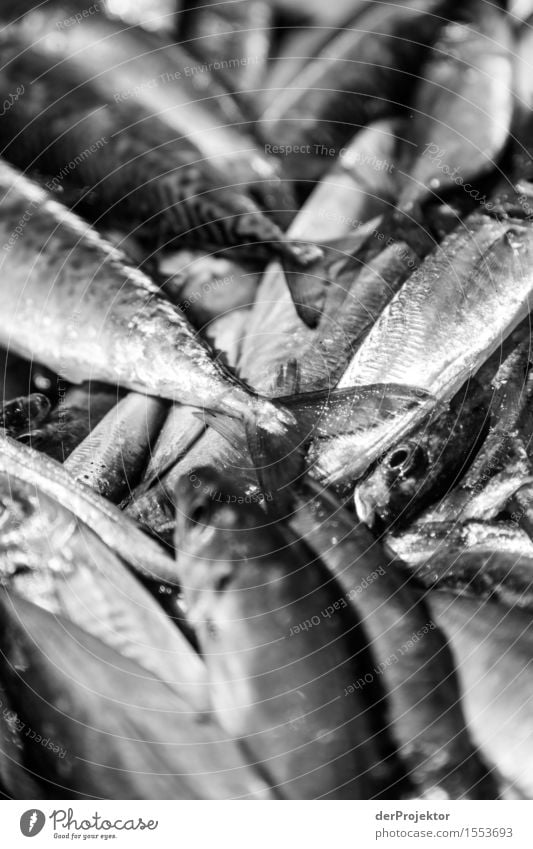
(492, 647)
(462, 108)
(117, 732)
(412, 657)
(246, 586)
(491, 560)
(423, 467)
(363, 74)
(451, 314)
(102, 319)
(127, 166)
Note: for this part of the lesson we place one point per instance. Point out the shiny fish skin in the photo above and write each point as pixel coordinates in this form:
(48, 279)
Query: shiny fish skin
(138, 173)
(425, 714)
(123, 739)
(492, 560)
(362, 184)
(501, 465)
(112, 457)
(102, 319)
(114, 529)
(50, 557)
(150, 69)
(275, 335)
(449, 316)
(245, 586)
(492, 647)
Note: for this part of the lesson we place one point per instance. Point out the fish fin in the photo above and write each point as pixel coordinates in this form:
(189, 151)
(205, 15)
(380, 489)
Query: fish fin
(331, 412)
(280, 460)
(307, 288)
(288, 377)
(229, 428)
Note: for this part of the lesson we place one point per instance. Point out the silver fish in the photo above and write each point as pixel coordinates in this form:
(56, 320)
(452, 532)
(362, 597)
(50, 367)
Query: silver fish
(129, 64)
(445, 321)
(492, 646)
(50, 556)
(112, 457)
(491, 560)
(119, 732)
(100, 318)
(425, 711)
(246, 584)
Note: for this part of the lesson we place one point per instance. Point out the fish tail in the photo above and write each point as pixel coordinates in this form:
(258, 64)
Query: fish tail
(279, 431)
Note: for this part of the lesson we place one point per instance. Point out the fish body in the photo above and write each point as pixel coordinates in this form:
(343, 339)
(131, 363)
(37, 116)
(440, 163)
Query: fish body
(492, 560)
(492, 649)
(123, 165)
(413, 659)
(79, 409)
(451, 314)
(50, 556)
(129, 64)
(247, 588)
(116, 731)
(101, 319)
(113, 456)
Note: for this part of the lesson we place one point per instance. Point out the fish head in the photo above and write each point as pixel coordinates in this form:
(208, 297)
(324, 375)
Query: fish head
(20, 415)
(424, 466)
(221, 536)
(392, 485)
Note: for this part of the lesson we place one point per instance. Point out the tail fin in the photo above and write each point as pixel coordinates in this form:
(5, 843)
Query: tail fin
(280, 459)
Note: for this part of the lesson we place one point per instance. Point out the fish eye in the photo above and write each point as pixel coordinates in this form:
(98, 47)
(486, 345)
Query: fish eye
(200, 513)
(407, 459)
(398, 458)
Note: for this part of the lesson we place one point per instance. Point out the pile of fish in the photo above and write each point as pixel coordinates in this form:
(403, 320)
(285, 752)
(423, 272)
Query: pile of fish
(266, 461)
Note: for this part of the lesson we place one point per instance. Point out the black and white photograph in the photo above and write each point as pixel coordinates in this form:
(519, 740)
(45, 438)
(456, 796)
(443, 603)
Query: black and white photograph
(266, 425)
